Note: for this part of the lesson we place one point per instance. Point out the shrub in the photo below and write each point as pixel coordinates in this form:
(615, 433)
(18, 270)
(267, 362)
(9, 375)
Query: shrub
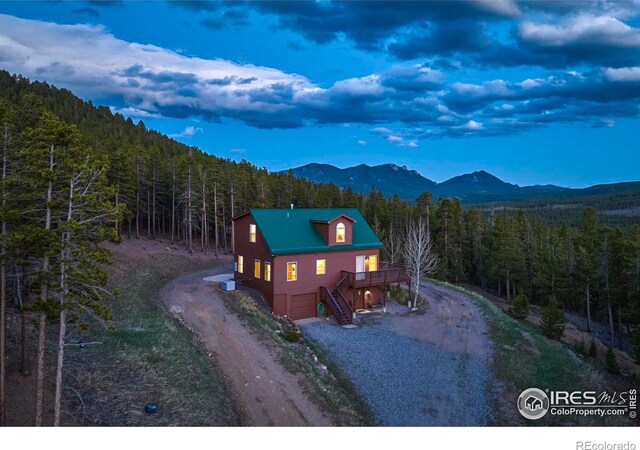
(520, 307)
(552, 320)
(593, 349)
(291, 336)
(580, 348)
(612, 363)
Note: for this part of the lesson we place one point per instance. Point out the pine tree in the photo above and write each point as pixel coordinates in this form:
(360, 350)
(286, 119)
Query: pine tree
(611, 362)
(587, 250)
(593, 349)
(552, 323)
(519, 309)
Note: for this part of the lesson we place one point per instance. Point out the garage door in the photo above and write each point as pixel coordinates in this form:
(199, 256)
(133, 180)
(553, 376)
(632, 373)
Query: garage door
(303, 306)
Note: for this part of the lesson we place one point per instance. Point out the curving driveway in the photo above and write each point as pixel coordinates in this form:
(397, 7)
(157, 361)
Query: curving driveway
(417, 370)
(267, 393)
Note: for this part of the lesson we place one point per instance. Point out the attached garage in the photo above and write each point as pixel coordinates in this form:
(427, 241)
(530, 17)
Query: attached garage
(302, 306)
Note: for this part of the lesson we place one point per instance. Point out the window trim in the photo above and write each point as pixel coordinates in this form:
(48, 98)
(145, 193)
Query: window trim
(240, 263)
(325, 266)
(267, 264)
(344, 233)
(296, 271)
(253, 232)
(257, 268)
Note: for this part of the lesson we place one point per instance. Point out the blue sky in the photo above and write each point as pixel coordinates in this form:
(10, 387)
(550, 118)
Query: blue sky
(533, 91)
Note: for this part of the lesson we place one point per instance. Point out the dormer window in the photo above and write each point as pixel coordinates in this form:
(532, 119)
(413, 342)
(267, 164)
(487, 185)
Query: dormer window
(252, 232)
(340, 232)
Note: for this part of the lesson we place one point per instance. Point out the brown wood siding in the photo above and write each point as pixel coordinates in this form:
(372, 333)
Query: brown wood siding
(308, 282)
(252, 251)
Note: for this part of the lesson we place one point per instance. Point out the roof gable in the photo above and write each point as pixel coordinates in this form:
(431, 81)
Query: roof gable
(292, 230)
(330, 215)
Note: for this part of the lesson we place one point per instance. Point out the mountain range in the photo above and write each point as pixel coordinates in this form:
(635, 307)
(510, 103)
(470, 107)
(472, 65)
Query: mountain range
(472, 188)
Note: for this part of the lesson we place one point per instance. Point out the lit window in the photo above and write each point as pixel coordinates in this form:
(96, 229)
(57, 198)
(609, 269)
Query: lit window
(340, 232)
(321, 266)
(373, 263)
(240, 264)
(267, 271)
(292, 271)
(252, 232)
(256, 268)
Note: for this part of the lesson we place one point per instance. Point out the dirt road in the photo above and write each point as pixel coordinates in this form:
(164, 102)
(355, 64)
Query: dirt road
(452, 323)
(268, 395)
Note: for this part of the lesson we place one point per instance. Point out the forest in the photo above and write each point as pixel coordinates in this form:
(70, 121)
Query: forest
(75, 175)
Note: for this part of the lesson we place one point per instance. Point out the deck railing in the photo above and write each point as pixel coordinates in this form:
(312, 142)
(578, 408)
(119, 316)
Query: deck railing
(388, 273)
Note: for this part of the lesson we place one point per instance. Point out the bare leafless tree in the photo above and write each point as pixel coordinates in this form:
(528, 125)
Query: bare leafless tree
(393, 245)
(418, 254)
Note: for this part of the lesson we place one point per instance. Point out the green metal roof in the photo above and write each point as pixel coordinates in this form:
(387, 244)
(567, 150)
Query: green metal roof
(292, 231)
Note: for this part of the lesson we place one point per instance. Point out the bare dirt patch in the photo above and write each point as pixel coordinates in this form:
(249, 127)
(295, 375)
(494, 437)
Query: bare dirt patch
(267, 393)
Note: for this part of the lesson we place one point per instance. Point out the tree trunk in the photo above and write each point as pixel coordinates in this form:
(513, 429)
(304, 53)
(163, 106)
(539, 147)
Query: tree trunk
(117, 203)
(153, 204)
(189, 234)
(59, 366)
(215, 216)
(588, 309)
(173, 206)
(233, 214)
(138, 198)
(3, 285)
(24, 363)
(610, 311)
(148, 214)
(44, 295)
(42, 342)
(508, 290)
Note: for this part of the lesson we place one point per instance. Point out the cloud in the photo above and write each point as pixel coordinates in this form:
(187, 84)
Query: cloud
(188, 132)
(582, 30)
(141, 80)
(623, 74)
(238, 150)
(362, 142)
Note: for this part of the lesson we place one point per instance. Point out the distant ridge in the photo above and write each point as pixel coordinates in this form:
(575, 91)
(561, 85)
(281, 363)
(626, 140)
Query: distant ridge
(472, 188)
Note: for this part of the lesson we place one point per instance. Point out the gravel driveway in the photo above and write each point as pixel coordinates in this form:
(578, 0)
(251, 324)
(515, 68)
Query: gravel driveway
(417, 370)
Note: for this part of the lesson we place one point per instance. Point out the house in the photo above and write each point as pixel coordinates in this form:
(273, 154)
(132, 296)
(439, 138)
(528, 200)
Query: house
(299, 259)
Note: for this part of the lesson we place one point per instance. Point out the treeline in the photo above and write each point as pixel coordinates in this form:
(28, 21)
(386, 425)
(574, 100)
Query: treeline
(74, 175)
(591, 269)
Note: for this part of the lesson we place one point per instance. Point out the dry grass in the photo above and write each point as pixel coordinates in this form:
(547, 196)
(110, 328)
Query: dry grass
(149, 357)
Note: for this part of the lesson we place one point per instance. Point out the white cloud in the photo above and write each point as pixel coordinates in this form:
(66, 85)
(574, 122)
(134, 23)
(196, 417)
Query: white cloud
(188, 132)
(411, 144)
(134, 113)
(92, 62)
(507, 8)
(623, 74)
(471, 125)
(381, 130)
(394, 138)
(582, 29)
(362, 142)
(238, 150)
